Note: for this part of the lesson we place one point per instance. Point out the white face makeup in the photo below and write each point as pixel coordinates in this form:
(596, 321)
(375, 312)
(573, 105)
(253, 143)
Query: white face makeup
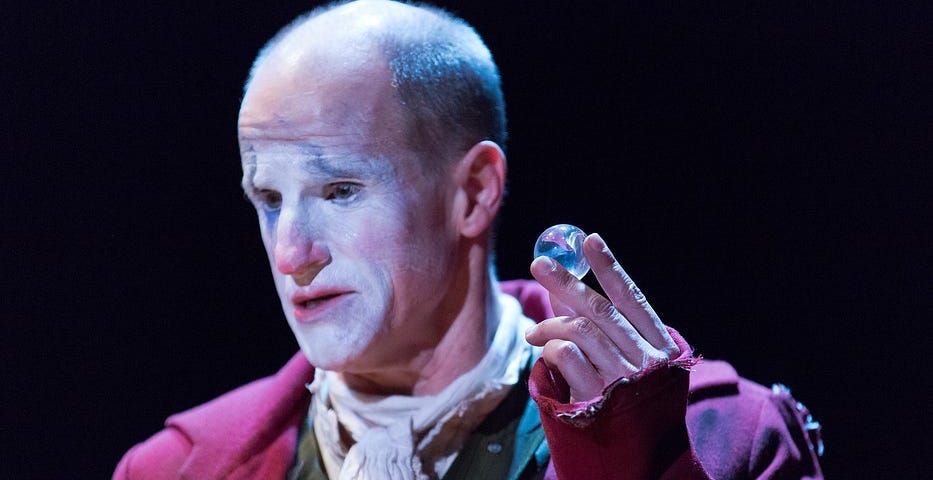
(357, 235)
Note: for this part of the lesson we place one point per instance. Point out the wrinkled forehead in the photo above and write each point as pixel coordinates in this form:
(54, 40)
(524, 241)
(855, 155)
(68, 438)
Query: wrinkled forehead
(324, 91)
(304, 159)
(332, 105)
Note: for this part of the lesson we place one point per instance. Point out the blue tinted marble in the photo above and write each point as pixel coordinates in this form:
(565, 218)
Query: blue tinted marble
(564, 243)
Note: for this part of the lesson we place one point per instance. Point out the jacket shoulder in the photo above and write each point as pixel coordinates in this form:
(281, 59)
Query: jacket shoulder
(741, 429)
(157, 458)
(237, 433)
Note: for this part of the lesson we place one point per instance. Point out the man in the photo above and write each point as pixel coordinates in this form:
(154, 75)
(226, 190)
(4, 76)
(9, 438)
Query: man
(370, 136)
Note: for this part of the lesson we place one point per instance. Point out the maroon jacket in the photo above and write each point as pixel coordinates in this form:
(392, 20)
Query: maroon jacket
(676, 420)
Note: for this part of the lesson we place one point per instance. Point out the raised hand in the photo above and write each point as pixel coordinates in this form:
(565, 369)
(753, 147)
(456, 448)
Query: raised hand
(593, 341)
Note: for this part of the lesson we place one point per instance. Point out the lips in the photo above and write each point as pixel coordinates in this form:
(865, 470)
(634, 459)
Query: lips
(310, 305)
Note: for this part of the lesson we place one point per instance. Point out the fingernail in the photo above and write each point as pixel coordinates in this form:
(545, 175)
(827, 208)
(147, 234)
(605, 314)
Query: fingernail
(599, 240)
(530, 330)
(547, 261)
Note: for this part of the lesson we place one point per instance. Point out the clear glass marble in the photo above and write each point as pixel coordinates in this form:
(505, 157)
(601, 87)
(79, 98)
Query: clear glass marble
(564, 243)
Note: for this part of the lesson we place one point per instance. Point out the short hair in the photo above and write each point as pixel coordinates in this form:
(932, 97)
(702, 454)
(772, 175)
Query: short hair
(444, 74)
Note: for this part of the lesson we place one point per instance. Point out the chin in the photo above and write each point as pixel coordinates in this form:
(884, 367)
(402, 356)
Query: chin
(332, 343)
(334, 357)
(326, 361)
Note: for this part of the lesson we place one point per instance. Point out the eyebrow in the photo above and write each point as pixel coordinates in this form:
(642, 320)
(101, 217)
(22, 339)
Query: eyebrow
(345, 166)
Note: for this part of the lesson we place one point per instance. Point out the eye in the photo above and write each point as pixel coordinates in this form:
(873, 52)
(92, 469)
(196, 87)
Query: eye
(269, 200)
(342, 191)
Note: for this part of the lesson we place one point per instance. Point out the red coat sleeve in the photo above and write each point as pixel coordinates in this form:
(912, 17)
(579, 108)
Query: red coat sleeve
(635, 430)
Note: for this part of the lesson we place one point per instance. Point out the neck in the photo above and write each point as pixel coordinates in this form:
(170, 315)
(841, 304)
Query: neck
(464, 343)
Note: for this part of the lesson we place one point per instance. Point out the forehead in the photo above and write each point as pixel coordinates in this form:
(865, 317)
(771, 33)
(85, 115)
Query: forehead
(332, 129)
(295, 101)
(322, 100)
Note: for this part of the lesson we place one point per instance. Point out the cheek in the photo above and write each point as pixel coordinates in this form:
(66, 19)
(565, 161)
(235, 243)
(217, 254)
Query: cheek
(381, 232)
(413, 254)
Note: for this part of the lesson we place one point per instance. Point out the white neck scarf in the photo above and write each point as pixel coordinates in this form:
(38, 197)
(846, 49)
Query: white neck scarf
(405, 437)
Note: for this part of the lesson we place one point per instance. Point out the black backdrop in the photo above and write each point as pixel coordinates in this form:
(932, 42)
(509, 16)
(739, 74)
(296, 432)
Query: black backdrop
(762, 171)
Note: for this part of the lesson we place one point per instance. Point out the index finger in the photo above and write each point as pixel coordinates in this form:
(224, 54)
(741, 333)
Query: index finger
(579, 300)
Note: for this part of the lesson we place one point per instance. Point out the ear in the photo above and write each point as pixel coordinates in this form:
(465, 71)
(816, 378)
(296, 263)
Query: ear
(480, 177)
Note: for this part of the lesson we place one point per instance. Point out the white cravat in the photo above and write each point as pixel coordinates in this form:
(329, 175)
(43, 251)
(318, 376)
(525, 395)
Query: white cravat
(395, 434)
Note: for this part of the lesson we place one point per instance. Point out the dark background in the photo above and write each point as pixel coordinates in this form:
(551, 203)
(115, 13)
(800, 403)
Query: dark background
(761, 170)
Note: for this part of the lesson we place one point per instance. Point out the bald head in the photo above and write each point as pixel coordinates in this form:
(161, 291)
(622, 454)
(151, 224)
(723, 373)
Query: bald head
(435, 67)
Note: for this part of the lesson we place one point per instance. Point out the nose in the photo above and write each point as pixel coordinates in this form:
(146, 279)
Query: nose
(298, 254)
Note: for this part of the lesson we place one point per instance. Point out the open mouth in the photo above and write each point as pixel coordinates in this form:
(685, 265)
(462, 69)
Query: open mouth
(306, 310)
(314, 302)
